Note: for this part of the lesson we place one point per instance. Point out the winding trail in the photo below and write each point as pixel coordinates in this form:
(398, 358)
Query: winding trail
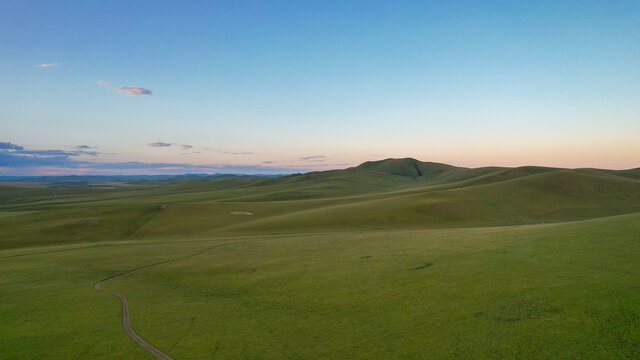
(126, 324)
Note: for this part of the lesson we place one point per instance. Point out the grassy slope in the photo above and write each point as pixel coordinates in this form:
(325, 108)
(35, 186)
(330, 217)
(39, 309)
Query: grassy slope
(561, 291)
(380, 283)
(50, 309)
(388, 194)
(550, 196)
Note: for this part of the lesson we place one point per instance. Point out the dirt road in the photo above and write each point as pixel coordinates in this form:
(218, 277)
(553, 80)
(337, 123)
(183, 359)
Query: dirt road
(126, 325)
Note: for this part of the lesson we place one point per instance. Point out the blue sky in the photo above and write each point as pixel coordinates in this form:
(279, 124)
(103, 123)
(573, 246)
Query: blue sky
(281, 86)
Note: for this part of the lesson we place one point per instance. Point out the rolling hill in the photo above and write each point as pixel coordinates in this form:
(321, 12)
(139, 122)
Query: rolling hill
(376, 195)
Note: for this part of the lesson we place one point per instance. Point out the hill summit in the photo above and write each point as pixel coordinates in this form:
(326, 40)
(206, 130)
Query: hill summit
(407, 167)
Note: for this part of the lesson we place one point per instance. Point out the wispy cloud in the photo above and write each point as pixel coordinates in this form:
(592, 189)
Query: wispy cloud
(188, 147)
(237, 153)
(10, 146)
(48, 152)
(15, 156)
(126, 90)
(133, 91)
(15, 160)
(55, 152)
(160, 144)
(314, 158)
(90, 153)
(227, 152)
(46, 65)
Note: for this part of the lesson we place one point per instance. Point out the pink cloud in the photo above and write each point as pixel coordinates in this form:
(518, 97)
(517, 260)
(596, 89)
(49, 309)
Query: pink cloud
(133, 91)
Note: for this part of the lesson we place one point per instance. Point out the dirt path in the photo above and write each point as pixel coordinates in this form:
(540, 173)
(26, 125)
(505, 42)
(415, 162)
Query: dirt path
(126, 325)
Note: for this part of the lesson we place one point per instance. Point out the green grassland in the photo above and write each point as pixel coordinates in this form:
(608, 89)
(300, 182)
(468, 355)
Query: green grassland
(395, 259)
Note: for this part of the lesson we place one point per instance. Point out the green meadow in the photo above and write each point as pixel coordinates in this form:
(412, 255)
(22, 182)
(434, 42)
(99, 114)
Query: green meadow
(394, 259)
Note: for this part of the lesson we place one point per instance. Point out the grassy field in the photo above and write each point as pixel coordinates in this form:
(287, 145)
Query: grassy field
(390, 260)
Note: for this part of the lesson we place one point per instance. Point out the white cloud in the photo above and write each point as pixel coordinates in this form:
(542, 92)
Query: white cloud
(46, 65)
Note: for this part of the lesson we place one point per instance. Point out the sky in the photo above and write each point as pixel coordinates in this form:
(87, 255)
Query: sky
(171, 87)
